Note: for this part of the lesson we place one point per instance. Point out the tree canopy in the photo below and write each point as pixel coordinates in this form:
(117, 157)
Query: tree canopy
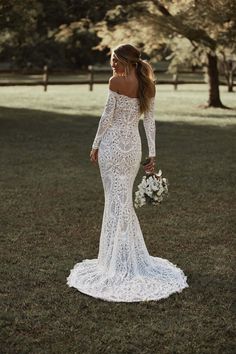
(71, 33)
(31, 32)
(192, 29)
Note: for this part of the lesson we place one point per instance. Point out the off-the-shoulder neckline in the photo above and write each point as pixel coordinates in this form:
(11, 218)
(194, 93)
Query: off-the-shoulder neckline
(119, 94)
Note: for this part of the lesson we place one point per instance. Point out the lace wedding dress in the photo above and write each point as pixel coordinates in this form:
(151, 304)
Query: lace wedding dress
(124, 271)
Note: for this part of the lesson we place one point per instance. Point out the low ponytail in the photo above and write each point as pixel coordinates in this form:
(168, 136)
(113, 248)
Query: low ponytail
(129, 57)
(146, 80)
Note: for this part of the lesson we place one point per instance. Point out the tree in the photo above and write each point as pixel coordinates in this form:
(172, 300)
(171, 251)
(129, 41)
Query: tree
(209, 25)
(18, 21)
(77, 34)
(78, 38)
(38, 32)
(24, 29)
(229, 67)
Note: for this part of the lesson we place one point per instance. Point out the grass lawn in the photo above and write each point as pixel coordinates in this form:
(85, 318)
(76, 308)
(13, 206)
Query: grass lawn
(51, 213)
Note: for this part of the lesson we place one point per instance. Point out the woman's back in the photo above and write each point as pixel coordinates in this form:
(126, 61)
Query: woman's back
(127, 86)
(124, 86)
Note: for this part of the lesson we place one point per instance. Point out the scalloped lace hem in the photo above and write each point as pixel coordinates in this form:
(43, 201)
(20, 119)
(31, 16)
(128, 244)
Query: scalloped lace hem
(162, 281)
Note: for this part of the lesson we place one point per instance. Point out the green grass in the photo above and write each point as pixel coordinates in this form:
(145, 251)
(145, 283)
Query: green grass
(51, 213)
(171, 106)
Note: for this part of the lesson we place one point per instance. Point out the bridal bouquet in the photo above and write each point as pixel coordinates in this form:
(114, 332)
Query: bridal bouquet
(152, 190)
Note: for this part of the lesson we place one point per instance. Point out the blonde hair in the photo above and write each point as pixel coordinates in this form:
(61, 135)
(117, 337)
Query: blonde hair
(130, 56)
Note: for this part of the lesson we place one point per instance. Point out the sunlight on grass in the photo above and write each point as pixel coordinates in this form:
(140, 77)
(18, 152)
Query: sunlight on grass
(182, 105)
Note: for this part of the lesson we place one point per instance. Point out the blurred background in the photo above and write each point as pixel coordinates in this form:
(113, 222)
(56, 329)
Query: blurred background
(62, 41)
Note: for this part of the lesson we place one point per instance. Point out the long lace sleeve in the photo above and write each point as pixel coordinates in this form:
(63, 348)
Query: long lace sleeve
(105, 119)
(150, 128)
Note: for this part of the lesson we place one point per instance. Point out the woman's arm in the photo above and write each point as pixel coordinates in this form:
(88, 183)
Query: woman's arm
(105, 119)
(150, 128)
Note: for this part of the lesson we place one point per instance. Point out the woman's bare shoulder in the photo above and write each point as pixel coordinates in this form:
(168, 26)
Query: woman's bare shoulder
(119, 85)
(115, 83)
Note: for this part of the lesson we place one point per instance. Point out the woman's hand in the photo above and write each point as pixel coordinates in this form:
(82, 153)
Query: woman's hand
(94, 156)
(150, 167)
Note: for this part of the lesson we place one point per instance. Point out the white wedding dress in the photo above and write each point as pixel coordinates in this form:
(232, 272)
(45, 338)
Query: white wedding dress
(124, 271)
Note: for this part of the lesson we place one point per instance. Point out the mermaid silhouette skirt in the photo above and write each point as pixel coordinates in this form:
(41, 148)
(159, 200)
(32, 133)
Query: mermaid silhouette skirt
(124, 270)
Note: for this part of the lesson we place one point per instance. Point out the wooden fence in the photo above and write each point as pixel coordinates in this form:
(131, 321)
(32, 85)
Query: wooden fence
(91, 77)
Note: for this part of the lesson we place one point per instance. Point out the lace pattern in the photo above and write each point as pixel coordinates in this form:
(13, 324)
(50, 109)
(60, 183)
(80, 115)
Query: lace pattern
(150, 128)
(123, 111)
(124, 271)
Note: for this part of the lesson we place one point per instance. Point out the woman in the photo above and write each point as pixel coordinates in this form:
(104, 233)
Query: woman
(124, 271)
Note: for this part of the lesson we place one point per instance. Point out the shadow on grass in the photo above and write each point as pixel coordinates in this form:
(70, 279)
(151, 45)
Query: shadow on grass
(51, 211)
(36, 121)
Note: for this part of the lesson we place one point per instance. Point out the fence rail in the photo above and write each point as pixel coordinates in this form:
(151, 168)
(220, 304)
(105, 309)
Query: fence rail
(91, 77)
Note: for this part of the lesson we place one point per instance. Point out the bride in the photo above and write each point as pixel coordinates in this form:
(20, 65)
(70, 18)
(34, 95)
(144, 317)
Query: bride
(124, 271)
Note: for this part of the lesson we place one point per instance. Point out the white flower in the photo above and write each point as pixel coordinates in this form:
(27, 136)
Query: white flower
(152, 189)
(141, 188)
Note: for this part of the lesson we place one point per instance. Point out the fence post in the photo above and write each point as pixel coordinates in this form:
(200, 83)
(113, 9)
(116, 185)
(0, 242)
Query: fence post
(175, 80)
(45, 77)
(91, 77)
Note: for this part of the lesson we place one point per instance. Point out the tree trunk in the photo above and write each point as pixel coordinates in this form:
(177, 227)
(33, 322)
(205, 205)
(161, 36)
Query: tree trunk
(230, 86)
(213, 79)
(229, 74)
(231, 81)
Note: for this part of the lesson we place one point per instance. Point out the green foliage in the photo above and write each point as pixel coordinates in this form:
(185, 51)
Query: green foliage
(207, 25)
(28, 29)
(68, 32)
(78, 39)
(18, 21)
(24, 32)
